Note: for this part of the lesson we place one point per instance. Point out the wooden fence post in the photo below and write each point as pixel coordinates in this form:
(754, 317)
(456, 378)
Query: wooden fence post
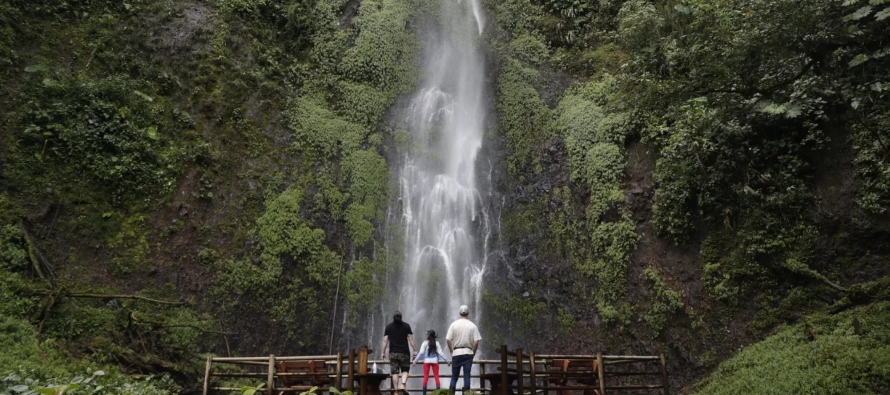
(664, 374)
(350, 371)
(207, 375)
(545, 381)
(519, 371)
(340, 370)
(363, 370)
(504, 369)
(600, 369)
(481, 374)
(270, 383)
(531, 372)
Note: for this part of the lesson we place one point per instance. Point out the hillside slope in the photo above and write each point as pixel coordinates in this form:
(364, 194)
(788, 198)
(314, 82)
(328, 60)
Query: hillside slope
(680, 177)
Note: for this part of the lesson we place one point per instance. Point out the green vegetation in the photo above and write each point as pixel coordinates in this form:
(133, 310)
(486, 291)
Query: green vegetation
(594, 139)
(31, 365)
(750, 112)
(171, 168)
(665, 301)
(524, 119)
(840, 354)
(117, 114)
(107, 131)
(520, 311)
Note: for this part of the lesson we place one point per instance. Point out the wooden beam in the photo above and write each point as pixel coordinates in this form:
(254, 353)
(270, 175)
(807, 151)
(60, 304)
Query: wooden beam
(664, 374)
(277, 374)
(635, 387)
(266, 359)
(605, 357)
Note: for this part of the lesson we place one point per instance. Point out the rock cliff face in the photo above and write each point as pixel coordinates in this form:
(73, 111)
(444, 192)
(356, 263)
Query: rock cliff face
(546, 305)
(669, 246)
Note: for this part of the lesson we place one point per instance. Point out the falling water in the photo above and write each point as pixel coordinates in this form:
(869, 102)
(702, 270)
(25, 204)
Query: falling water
(442, 210)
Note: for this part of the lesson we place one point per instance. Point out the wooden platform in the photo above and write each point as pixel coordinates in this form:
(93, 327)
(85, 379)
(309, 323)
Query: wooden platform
(514, 373)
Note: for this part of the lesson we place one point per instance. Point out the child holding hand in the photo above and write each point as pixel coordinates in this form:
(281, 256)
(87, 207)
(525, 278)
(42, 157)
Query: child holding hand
(430, 351)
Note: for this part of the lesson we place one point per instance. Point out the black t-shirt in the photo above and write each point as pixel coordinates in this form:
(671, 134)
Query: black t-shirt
(398, 337)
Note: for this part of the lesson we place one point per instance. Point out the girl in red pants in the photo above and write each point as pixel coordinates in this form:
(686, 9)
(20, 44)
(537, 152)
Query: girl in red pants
(430, 351)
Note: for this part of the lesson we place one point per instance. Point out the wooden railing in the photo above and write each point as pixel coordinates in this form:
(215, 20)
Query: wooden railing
(513, 373)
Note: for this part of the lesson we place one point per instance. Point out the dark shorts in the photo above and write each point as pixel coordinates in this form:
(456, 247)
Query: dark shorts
(399, 362)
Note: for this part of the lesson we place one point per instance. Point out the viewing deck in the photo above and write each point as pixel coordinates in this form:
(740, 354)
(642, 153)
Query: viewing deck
(514, 373)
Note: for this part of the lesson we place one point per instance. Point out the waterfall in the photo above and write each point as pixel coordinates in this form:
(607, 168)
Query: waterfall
(443, 214)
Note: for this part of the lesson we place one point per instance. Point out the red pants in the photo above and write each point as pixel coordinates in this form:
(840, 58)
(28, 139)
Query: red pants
(426, 373)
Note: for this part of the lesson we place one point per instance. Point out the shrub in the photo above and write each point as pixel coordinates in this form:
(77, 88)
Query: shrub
(664, 301)
(846, 353)
(530, 48)
(320, 130)
(106, 129)
(13, 252)
(524, 118)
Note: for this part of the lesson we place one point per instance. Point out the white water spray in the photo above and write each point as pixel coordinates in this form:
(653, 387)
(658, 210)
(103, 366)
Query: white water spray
(442, 211)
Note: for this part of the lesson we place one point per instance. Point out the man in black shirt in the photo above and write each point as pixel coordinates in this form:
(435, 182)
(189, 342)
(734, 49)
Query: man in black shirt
(398, 334)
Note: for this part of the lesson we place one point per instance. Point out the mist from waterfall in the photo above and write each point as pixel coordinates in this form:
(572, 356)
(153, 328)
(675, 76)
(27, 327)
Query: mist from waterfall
(443, 214)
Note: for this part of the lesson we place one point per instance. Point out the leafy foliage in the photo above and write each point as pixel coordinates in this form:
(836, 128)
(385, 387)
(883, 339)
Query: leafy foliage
(524, 119)
(747, 108)
(665, 301)
(368, 179)
(594, 131)
(195, 108)
(34, 366)
(13, 254)
(530, 48)
(381, 46)
(846, 353)
(106, 129)
(320, 129)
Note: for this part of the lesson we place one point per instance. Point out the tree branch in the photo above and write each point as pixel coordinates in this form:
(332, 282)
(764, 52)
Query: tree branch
(104, 296)
(32, 252)
(754, 90)
(789, 80)
(198, 328)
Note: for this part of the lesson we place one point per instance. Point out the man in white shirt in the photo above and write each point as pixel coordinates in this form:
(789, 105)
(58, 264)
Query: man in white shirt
(463, 340)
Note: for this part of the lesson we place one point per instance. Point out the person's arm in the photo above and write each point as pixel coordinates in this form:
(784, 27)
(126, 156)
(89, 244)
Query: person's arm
(476, 338)
(448, 336)
(419, 356)
(414, 346)
(383, 350)
(441, 354)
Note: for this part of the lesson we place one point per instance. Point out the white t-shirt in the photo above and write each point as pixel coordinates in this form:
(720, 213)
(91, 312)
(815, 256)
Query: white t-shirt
(463, 333)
